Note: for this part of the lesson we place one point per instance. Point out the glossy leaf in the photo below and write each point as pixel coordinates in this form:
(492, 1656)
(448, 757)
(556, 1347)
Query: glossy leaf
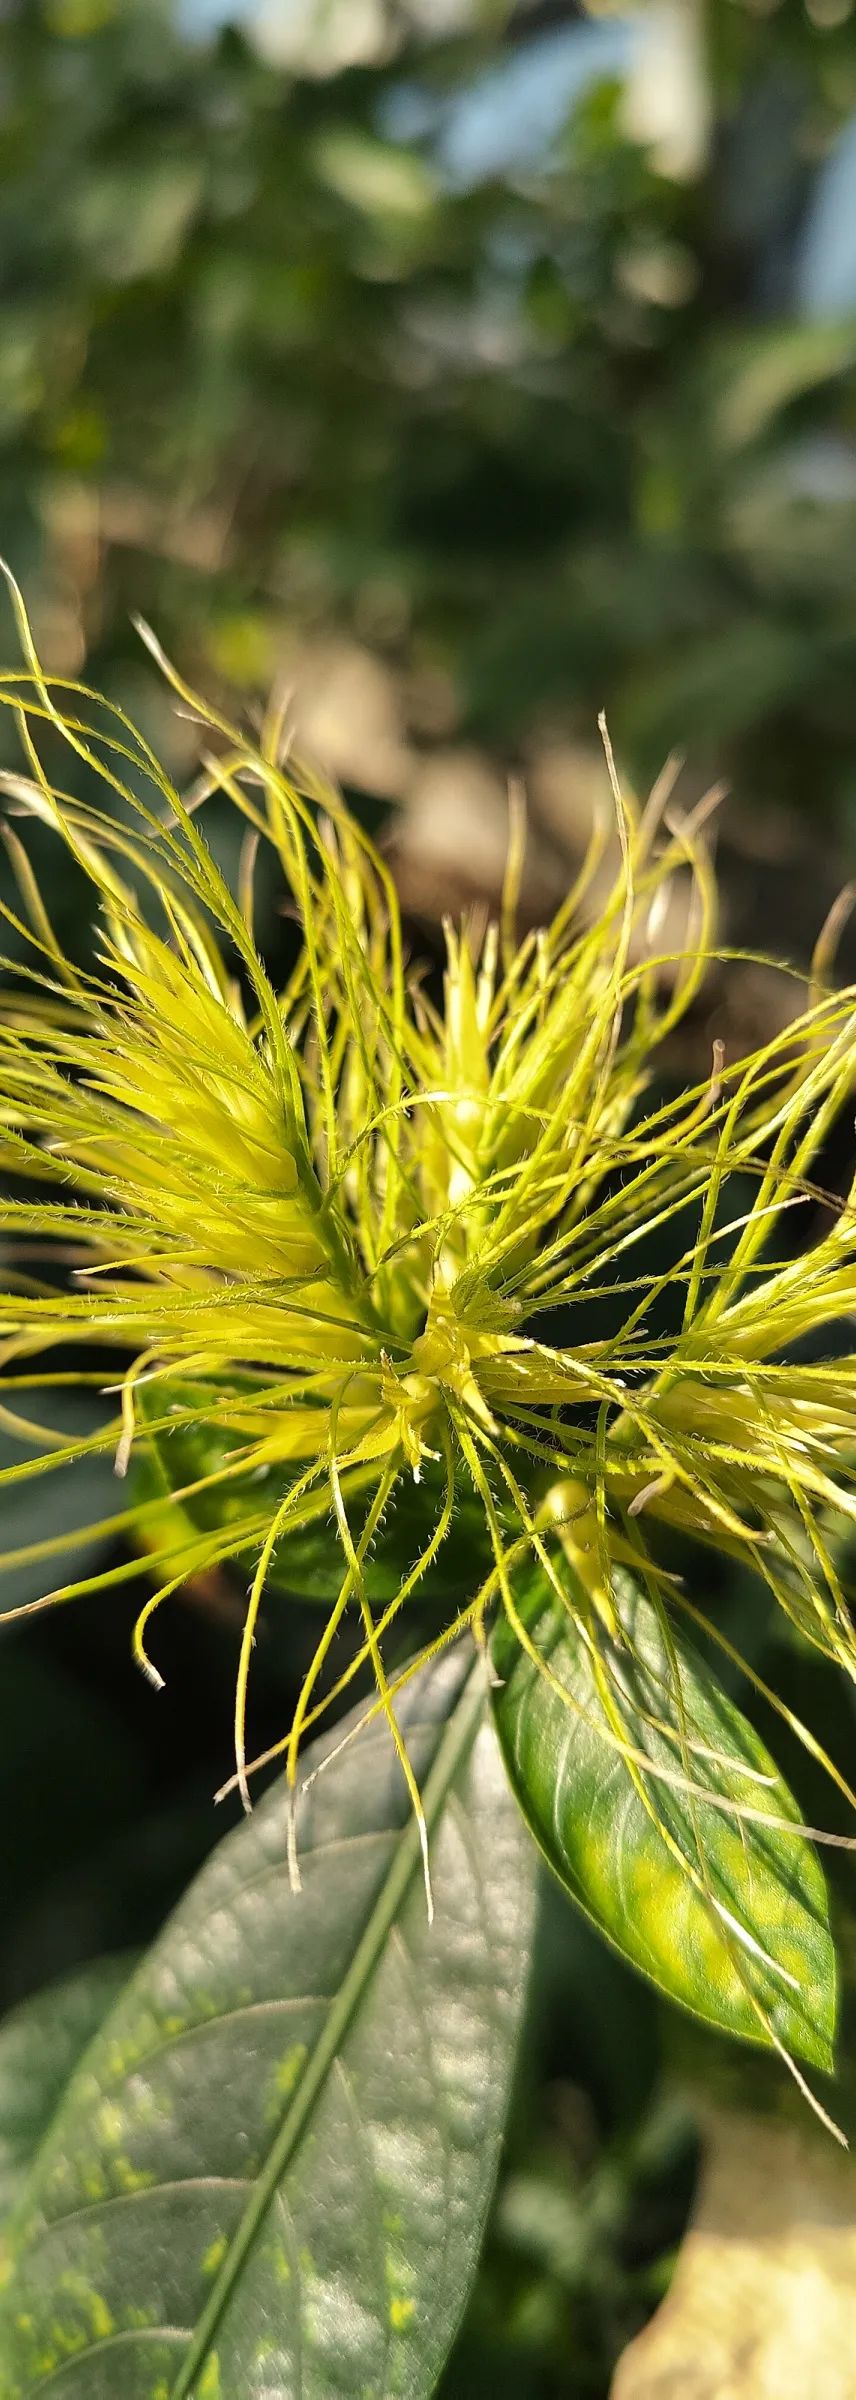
(272, 2173)
(41, 2043)
(746, 1944)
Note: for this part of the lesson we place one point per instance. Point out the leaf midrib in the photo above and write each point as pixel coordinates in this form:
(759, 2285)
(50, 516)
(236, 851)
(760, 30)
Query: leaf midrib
(456, 1740)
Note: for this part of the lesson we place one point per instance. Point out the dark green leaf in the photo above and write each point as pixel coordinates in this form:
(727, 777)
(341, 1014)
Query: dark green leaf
(751, 1950)
(41, 2043)
(273, 2170)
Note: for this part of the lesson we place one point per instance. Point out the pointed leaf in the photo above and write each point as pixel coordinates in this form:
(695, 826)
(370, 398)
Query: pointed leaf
(760, 1931)
(272, 2172)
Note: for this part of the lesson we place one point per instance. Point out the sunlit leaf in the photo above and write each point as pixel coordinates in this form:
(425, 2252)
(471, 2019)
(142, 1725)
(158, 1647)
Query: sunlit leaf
(665, 1850)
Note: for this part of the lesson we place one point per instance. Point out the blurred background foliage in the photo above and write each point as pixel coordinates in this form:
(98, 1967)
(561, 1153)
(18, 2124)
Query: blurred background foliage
(470, 367)
(514, 342)
(518, 343)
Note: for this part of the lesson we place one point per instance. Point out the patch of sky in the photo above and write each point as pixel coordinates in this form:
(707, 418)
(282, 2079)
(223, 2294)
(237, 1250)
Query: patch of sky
(511, 114)
(825, 272)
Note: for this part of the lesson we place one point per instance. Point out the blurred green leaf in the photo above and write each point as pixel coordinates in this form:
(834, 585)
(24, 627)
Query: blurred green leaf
(123, 242)
(281, 2147)
(726, 1914)
(772, 369)
(375, 176)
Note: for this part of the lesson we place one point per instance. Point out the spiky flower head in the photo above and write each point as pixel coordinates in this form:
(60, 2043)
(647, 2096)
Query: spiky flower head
(350, 1240)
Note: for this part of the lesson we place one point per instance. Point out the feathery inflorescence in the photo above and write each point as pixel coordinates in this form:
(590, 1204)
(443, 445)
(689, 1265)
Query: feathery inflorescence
(331, 1230)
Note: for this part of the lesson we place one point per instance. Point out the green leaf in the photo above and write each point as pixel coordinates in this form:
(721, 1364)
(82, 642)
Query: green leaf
(764, 374)
(41, 2043)
(760, 1932)
(272, 2171)
(770, 370)
(377, 177)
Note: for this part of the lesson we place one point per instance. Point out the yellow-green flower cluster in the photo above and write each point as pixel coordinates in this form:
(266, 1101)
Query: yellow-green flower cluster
(336, 1224)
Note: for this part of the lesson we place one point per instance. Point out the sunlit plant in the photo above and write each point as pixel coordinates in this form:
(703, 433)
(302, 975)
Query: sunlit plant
(352, 1240)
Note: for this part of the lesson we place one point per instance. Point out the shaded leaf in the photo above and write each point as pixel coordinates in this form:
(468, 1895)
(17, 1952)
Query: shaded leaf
(41, 2043)
(273, 2169)
(759, 1932)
